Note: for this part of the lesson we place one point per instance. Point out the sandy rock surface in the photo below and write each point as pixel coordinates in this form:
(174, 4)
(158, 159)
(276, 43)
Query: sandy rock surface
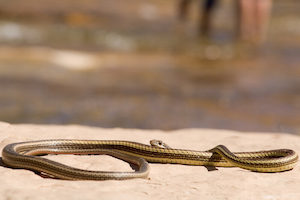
(166, 181)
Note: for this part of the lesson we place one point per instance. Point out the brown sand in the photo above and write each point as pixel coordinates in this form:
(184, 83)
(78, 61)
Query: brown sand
(166, 181)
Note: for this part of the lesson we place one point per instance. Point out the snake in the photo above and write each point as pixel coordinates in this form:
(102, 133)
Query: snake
(29, 155)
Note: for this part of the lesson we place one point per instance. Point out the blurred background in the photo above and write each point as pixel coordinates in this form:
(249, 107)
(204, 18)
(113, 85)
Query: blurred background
(138, 64)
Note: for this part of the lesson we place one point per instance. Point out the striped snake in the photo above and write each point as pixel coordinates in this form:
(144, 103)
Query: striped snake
(28, 155)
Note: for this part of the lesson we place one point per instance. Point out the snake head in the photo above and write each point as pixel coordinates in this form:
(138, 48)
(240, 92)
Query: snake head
(159, 144)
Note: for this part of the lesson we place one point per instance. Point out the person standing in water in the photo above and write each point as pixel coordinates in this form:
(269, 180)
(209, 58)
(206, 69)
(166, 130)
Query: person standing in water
(253, 19)
(206, 10)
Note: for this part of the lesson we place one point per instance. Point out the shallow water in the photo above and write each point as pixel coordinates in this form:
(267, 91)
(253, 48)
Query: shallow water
(134, 65)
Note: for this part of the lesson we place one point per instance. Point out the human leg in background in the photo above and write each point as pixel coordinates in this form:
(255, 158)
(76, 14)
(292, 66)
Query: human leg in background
(205, 20)
(183, 8)
(253, 19)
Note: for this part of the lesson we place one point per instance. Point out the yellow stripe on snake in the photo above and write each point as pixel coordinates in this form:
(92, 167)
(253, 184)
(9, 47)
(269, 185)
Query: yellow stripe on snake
(27, 155)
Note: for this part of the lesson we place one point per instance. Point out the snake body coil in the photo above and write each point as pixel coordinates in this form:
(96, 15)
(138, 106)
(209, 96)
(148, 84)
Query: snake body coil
(25, 155)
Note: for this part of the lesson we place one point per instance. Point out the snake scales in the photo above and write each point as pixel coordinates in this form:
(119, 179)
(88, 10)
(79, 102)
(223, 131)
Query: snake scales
(26, 155)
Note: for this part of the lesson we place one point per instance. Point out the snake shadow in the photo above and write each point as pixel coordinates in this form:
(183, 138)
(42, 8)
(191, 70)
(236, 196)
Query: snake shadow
(132, 166)
(2, 164)
(43, 175)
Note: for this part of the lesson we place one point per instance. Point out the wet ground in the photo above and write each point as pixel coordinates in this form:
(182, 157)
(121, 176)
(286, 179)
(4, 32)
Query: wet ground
(133, 64)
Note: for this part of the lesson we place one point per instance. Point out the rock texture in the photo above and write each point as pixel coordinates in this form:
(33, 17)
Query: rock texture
(166, 181)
